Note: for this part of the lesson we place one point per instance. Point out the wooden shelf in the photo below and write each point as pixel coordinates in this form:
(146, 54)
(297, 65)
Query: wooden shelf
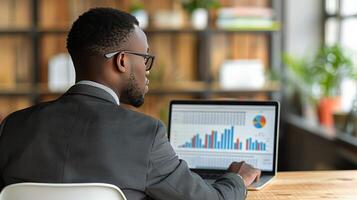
(16, 31)
(182, 54)
(268, 88)
(347, 139)
(214, 30)
(19, 90)
(194, 87)
(190, 87)
(148, 31)
(11, 93)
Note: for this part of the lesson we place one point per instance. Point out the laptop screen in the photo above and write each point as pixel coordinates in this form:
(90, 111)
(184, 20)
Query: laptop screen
(211, 135)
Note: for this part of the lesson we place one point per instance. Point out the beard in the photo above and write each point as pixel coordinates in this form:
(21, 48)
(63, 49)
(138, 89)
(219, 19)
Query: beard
(133, 93)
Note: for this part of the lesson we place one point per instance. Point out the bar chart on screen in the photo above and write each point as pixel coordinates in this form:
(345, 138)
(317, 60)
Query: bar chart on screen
(225, 140)
(212, 138)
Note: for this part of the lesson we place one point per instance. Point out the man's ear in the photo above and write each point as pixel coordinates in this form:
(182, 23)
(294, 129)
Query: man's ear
(121, 63)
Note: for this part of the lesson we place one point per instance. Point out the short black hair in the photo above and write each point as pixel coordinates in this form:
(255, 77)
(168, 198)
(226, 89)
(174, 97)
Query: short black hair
(99, 31)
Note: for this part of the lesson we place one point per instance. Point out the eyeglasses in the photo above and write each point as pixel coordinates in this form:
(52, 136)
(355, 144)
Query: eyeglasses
(148, 59)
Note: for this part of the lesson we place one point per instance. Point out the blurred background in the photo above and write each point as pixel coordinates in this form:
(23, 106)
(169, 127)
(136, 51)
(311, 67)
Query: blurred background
(301, 53)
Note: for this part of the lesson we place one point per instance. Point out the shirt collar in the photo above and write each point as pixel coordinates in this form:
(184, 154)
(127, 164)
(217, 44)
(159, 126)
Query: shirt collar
(101, 86)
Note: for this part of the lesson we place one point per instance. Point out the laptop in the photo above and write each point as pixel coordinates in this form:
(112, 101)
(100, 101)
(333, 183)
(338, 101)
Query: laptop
(210, 135)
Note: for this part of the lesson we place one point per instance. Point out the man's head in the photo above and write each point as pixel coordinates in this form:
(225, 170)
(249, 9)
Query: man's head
(107, 46)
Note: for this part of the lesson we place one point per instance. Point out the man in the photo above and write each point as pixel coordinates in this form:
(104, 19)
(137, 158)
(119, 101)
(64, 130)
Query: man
(84, 136)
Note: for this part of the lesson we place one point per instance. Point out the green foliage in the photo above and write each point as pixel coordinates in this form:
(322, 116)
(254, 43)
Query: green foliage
(191, 5)
(321, 76)
(135, 5)
(331, 65)
(299, 76)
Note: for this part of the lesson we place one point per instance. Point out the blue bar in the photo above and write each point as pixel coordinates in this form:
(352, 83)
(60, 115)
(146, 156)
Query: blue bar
(200, 143)
(250, 144)
(232, 137)
(256, 144)
(228, 139)
(215, 140)
(206, 136)
(218, 143)
(240, 146)
(230, 143)
(231, 140)
(209, 142)
(224, 138)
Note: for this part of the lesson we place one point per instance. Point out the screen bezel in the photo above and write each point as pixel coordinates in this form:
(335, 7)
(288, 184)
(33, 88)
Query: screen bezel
(276, 104)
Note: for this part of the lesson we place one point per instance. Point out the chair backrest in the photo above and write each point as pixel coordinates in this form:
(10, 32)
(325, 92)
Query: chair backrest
(63, 191)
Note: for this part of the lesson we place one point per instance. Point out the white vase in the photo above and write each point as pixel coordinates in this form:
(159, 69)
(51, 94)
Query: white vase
(199, 18)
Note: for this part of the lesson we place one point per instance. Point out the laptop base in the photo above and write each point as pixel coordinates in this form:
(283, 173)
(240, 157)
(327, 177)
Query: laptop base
(263, 181)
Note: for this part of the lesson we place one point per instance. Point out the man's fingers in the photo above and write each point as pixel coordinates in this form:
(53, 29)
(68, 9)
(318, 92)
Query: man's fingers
(258, 175)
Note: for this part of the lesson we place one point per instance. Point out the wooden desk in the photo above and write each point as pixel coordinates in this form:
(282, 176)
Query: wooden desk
(310, 185)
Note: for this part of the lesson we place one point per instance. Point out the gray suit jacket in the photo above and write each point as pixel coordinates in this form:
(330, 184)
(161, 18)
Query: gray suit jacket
(84, 136)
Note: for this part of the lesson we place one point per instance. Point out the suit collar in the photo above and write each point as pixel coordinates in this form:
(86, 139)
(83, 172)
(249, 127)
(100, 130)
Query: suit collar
(101, 86)
(92, 91)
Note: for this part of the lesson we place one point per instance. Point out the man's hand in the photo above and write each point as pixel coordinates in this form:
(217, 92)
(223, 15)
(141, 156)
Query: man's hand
(248, 172)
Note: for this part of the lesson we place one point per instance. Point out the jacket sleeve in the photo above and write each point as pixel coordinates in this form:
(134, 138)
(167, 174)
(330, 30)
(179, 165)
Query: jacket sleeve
(170, 178)
(2, 184)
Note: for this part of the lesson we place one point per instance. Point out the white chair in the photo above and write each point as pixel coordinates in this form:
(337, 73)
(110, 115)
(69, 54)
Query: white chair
(66, 191)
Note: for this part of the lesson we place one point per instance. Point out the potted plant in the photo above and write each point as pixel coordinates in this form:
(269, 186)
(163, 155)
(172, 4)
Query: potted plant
(331, 65)
(198, 10)
(299, 84)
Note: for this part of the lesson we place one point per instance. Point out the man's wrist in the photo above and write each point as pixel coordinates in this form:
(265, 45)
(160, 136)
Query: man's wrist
(245, 188)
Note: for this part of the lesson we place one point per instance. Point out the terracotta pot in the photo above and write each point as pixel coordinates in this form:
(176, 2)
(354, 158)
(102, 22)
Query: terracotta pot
(326, 107)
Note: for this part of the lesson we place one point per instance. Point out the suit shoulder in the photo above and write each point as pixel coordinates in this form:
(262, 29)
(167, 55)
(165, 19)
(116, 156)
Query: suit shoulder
(150, 123)
(135, 114)
(27, 111)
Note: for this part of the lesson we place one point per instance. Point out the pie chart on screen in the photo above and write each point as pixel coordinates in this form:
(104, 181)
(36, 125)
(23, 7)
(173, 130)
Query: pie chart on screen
(259, 121)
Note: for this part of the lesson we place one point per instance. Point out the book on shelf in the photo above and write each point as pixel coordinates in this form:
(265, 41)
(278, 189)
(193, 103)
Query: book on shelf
(237, 46)
(7, 72)
(251, 18)
(15, 61)
(15, 14)
(61, 14)
(244, 11)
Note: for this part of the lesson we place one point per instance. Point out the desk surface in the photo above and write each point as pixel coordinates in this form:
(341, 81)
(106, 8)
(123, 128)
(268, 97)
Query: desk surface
(309, 185)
